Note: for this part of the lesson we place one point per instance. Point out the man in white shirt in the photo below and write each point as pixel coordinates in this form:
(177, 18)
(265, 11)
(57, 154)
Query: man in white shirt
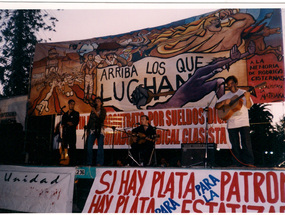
(238, 123)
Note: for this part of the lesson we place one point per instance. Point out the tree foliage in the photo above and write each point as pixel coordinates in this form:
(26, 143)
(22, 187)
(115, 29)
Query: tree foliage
(261, 131)
(280, 140)
(267, 140)
(19, 29)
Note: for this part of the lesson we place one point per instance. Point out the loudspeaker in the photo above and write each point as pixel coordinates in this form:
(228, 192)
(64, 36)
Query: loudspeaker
(11, 143)
(193, 154)
(39, 139)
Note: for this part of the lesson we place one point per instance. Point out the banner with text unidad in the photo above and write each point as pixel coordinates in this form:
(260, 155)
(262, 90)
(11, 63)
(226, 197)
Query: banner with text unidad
(36, 189)
(142, 190)
(179, 65)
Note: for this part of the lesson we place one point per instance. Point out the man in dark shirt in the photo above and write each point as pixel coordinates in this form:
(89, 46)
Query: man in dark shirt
(143, 138)
(70, 120)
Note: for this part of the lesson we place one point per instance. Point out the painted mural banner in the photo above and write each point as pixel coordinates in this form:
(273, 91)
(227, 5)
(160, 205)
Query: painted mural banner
(127, 190)
(180, 65)
(36, 189)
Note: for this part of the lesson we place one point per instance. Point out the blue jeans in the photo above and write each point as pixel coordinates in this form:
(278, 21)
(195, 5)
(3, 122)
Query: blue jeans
(100, 152)
(237, 136)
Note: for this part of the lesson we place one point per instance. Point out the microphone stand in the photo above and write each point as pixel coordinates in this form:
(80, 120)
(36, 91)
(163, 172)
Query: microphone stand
(154, 149)
(113, 142)
(129, 150)
(85, 140)
(206, 110)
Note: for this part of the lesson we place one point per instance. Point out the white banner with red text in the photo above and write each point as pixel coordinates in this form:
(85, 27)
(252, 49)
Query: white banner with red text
(127, 190)
(173, 127)
(36, 189)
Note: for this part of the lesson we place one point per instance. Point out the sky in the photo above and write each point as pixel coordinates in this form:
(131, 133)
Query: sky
(78, 21)
(88, 23)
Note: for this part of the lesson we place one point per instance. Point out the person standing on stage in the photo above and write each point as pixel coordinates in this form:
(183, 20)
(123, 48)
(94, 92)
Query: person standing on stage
(238, 123)
(70, 120)
(95, 130)
(143, 138)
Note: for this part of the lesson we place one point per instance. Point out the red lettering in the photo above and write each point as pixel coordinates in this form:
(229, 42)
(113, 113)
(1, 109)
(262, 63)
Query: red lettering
(271, 209)
(93, 204)
(114, 180)
(190, 187)
(223, 136)
(124, 182)
(143, 200)
(210, 116)
(243, 209)
(245, 182)
(195, 209)
(170, 186)
(160, 140)
(81, 123)
(258, 179)
(128, 120)
(217, 129)
(195, 135)
(108, 172)
(188, 117)
(201, 116)
(184, 204)
(183, 117)
(272, 184)
(151, 206)
(211, 206)
(132, 184)
(142, 180)
(174, 117)
(181, 175)
(184, 134)
(195, 116)
(157, 177)
(155, 118)
(225, 179)
(134, 206)
(168, 118)
(201, 135)
(233, 207)
(210, 135)
(150, 116)
(120, 202)
(282, 186)
(222, 208)
(258, 209)
(161, 118)
(167, 139)
(179, 117)
(172, 138)
(234, 189)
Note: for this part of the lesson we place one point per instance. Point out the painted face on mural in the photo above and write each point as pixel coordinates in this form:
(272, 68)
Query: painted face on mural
(90, 57)
(213, 24)
(110, 56)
